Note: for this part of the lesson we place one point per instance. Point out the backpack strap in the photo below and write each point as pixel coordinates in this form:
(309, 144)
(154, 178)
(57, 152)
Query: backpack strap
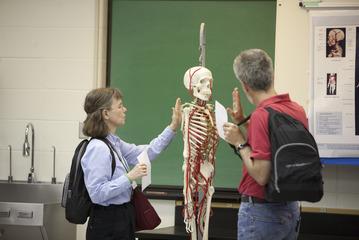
(80, 149)
(109, 145)
(123, 161)
(270, 110)
(244, 120)
(273, 111)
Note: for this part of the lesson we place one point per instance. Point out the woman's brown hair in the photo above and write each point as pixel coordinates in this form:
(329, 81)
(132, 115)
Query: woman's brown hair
(96, 101)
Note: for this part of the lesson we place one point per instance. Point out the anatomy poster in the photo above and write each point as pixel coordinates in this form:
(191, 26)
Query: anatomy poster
(334, 111)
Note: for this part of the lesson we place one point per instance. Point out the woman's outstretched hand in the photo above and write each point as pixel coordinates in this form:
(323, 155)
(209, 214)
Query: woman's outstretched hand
(176, 115)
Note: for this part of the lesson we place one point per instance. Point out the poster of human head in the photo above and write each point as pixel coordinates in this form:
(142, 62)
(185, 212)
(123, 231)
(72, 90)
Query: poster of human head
(336, 42)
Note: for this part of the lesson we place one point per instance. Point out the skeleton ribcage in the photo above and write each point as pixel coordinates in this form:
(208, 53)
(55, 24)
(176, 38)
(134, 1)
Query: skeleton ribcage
(202, 142)
(202, 139)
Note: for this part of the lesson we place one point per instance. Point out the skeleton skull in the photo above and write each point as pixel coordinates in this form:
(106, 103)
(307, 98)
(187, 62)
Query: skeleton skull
(198, 80)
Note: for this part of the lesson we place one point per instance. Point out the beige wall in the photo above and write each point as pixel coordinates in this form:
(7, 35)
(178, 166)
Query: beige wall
(292, 75)
(292, 51)
(52, 53)
(48, 54)
(49, 59)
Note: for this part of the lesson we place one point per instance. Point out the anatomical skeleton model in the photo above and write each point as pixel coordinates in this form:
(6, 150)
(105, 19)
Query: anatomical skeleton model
(200, 140)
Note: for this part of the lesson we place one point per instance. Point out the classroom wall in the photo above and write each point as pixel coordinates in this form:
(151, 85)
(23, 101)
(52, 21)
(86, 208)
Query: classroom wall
(292, 75)
(47, 58)
(52, 53)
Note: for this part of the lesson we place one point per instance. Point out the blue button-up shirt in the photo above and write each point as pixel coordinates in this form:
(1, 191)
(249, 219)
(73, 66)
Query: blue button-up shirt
(96, 164)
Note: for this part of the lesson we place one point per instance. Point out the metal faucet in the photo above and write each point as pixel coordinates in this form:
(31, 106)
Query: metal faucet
(10, 179)
(53, 179)
(26, 151)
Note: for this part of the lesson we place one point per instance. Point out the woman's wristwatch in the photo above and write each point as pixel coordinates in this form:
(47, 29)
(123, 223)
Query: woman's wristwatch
(241, 146)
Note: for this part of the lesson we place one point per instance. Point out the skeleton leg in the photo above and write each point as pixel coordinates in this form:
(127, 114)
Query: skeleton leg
(209, 201)
(189, 215)
(192, 224)
(207, 171)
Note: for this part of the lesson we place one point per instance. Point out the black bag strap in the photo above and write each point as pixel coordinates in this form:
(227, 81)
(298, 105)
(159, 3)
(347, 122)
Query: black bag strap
(80, 149)
(244, 120)
(122, 160)
(293, 120)
(272, 111)
(109, 145)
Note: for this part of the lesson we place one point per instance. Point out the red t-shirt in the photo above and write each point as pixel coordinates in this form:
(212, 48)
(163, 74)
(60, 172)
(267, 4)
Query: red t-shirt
(258, 137)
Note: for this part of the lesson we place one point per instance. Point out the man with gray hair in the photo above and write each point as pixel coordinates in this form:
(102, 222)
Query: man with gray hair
(259, 218)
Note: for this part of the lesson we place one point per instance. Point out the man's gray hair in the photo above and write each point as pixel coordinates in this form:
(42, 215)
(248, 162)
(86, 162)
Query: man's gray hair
(254, 67)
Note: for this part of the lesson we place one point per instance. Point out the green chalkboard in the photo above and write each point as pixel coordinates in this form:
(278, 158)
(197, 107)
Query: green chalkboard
(153, 43)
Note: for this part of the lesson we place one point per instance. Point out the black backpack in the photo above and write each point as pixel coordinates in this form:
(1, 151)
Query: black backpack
(75, 198)
(296, 167)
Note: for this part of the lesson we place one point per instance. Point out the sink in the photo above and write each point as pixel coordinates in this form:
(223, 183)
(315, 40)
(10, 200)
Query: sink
(40, 192)
(33, 211)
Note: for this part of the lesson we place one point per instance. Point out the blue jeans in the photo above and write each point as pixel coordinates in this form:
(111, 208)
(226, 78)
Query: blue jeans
(277, 221)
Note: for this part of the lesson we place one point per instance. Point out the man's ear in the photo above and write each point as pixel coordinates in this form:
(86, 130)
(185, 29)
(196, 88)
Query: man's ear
(246, 87)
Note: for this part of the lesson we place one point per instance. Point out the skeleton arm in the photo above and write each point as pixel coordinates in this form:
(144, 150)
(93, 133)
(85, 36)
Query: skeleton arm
(184, 127)
(189, 218)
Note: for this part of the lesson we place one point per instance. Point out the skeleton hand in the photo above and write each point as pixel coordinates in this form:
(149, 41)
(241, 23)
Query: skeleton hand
(176, 115)
(138, 171)
(232, 134)
(236, 112)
